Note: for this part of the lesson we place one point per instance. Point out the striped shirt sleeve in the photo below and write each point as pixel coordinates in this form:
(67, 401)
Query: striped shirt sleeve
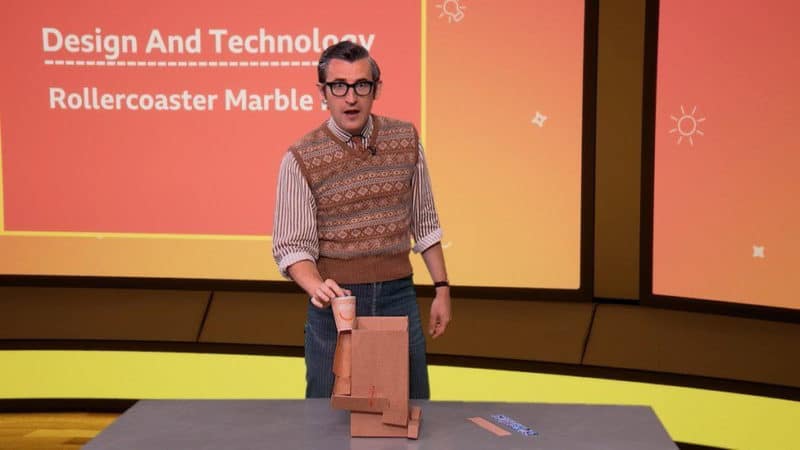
(424, 219)
(294, 231)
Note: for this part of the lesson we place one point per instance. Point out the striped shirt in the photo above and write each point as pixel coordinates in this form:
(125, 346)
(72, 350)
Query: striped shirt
(295, 236)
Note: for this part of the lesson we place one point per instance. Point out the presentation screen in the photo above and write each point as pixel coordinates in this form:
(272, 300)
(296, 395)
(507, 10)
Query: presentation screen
(726, 190)
(143, 138)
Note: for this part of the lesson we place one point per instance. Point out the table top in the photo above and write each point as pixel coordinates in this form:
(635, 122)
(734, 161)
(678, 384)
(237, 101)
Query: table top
(312, 424)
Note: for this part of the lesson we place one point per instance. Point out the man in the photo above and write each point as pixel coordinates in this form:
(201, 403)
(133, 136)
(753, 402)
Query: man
(351, 194)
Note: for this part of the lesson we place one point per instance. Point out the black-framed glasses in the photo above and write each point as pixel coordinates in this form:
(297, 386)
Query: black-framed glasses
(340, 88)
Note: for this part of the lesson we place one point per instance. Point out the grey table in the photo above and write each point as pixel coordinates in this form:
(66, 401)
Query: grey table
(312, 424)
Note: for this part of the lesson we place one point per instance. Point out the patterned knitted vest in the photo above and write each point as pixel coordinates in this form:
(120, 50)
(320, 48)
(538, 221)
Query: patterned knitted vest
(363, 200)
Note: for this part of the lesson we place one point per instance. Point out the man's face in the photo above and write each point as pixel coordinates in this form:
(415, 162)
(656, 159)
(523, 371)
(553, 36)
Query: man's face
(351, 111)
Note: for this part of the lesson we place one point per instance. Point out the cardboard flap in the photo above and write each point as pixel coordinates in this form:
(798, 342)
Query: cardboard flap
(398, 323)
(380, 369)
(414, 420)
(341, 386)
(360, 404)
(370, 425)
(397, 415)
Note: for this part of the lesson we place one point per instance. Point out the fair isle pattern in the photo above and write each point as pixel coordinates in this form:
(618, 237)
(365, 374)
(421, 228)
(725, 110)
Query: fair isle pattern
(363, 201)
(376, 218)
(316, 150)
(295, 237)
(350, 210)
(360, 178)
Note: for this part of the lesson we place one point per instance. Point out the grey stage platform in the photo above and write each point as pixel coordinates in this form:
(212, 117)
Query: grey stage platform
(312, 424)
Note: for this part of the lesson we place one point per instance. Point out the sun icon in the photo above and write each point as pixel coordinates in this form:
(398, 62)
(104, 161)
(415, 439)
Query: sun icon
(453, 9)
(687, 125)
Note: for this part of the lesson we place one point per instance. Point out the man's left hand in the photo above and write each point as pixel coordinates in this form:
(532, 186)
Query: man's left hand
(440, 313)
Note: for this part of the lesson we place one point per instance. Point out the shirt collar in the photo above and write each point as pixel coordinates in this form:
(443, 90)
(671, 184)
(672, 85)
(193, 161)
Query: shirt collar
(347, 137)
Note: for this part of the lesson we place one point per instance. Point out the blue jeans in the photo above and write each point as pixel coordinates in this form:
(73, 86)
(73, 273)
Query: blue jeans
(386, 298)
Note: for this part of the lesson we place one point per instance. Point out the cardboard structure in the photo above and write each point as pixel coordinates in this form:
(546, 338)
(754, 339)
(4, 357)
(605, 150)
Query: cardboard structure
(371, 369)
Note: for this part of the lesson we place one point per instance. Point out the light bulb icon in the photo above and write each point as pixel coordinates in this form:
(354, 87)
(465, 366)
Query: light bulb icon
(453, 9)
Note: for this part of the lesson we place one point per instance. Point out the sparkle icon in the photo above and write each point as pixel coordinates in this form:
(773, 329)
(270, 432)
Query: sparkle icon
(453, 9)
(758, 251)
(539, 119)
(687, 125)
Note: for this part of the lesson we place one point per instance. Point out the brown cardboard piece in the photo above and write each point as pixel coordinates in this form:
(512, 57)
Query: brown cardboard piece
(370, 425)
(342, 364)
(371, 368)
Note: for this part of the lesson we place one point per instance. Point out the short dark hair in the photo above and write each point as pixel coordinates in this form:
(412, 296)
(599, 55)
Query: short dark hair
(347, 51)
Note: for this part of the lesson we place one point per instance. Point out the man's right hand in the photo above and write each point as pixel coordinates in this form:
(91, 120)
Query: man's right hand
(305, 274)
(327, 291)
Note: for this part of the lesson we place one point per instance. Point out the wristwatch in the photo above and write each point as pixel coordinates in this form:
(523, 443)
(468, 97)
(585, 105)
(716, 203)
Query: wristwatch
(439, 284)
